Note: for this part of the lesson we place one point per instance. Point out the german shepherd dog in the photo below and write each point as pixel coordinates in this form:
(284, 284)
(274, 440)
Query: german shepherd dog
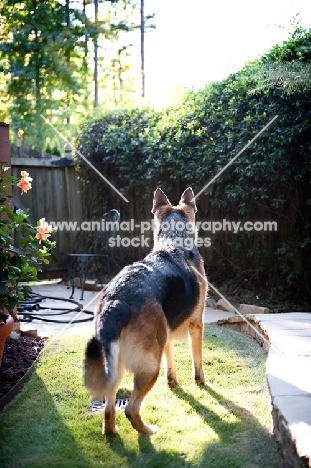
(145, 308)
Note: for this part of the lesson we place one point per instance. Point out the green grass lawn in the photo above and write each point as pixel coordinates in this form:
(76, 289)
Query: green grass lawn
(226, 424)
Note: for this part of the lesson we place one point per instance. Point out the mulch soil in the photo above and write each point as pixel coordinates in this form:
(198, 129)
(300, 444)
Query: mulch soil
(19, 355)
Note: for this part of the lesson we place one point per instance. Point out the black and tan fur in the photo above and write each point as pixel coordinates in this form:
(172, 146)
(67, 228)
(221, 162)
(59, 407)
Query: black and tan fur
(146, 307)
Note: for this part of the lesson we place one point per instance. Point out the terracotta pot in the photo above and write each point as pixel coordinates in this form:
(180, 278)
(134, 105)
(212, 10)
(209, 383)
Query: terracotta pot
(5, 330)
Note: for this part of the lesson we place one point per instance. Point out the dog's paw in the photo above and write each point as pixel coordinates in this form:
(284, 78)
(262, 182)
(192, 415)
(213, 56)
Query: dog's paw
(201, 383)
(110, 430)
(150, 430)
(172, 382)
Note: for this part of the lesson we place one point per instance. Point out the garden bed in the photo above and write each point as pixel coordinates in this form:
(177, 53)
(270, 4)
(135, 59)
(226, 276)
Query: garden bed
(19, 355)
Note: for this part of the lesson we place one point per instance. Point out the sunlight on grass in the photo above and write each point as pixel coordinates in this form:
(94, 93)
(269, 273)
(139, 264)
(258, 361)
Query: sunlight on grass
(226, 424)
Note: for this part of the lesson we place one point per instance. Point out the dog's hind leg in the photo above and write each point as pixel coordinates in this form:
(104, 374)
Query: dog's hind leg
(143, 382)
(195, 336)
(143, 344)
(170, 366)
(109, 419)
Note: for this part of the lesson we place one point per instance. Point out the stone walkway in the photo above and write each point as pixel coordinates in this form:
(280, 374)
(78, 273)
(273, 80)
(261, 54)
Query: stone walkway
(288, 371)
(285, 337)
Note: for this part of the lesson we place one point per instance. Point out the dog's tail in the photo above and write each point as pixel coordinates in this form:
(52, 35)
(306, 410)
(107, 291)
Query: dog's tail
(94, 370)
(101, 363)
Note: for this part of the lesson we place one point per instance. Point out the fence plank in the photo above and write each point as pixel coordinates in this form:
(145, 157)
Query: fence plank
(55, 196)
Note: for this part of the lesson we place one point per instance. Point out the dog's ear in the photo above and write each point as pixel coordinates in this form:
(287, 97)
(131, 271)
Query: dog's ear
(159, 200)
(187, 198)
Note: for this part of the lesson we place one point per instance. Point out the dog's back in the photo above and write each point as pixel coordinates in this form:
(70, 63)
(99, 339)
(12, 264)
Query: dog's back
(148, 305)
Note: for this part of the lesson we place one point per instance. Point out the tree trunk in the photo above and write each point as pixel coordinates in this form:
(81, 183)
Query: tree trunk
(68, 61)
(38, 97)
(142, 46)
(96, 57)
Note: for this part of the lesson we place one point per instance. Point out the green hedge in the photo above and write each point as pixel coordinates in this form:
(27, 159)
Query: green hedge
(140, 149)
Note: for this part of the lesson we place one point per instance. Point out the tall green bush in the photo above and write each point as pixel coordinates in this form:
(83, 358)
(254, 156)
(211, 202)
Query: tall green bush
(188, 145)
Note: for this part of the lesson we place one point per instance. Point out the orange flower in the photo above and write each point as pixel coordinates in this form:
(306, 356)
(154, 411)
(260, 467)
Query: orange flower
(43, 230)
(25, 183)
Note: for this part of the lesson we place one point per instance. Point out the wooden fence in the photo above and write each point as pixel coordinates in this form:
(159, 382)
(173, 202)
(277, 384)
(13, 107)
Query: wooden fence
(55, 196)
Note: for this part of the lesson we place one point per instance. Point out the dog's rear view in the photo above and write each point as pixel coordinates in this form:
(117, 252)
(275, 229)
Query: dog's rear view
(147, 306)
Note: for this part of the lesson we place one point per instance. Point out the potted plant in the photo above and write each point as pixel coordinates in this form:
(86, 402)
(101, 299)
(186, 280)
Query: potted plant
(23, 250)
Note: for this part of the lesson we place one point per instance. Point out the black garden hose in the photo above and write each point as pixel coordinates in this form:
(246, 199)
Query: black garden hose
(35, 299)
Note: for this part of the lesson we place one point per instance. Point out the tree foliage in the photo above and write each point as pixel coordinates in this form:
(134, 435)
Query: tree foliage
(46, 52)
(36, 44)
(287, 67)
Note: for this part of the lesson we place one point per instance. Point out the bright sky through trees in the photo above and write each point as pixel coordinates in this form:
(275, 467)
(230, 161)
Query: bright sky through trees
(204, 40)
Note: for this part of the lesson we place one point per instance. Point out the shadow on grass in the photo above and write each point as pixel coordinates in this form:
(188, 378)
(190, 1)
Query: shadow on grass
(243, 443)
(223, 429)
(35, 436)
(149, 456)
